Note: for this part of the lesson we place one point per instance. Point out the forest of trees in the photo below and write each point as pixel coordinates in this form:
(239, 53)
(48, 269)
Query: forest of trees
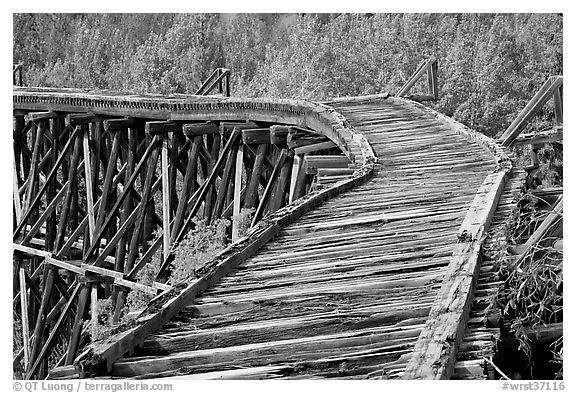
(490, 65)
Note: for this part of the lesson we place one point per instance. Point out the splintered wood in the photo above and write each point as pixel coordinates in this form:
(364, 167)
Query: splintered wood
(345, 291)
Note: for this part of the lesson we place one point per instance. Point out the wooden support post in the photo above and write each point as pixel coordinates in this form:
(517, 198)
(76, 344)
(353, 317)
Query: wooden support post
(66, 207)
(77, 327)
(24, 315)
(108, 179)
(89, 186)
(17, 135)
(187, 187)
(173, 172)
(301, 179)
(126, 209)
(558, 106)
(33, 176)
(432, 74)
(224, 184)
(279, 195)
(199, 196)
(268, 191)
(295, 171)
(51, 340)
(165, 198)
(237, 192)
(134, 241)
(94, 305)
(40, 320)
(51, 221)
(252, 190)
(16, 194)
(211, 193)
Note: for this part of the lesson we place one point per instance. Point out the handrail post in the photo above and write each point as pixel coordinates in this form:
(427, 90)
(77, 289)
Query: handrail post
(220, 84)
(226, 81)
(17, 69)
(430, 67)
(549, 88)
(558, 106)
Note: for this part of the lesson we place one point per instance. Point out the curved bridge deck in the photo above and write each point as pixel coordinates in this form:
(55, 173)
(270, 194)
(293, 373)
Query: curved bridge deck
(347, 289)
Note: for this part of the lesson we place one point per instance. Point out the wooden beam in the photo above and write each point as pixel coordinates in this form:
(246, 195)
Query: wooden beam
(89, 186)
(94, 304)
(256, 136)
(252, 189)
(165, 198)
(551, 219)
(312, 163)
(558, 106)
(120, 124)
(301, 179)
(33, 175)
(268, 191)
(77, 326)
(162, 127)
(237, 192)
(187, 186)
(279, 135)
(41, 319)
(224, 184)
(15, 193)
(39, 116)
(75, 119)
(226, 128)
(24, 315)
(294, 176)
(51, 340)
(297, 138)
(67, 205)
(279, 196)
(536, 138)
(198, 129)
(314, 147)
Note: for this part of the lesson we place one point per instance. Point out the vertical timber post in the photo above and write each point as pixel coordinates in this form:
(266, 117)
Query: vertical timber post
(165, 198)
(237, 192)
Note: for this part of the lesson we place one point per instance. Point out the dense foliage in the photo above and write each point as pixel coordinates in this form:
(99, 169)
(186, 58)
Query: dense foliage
(490, 64)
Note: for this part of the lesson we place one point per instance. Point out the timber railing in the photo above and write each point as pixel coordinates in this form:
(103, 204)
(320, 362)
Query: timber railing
(220, 78)
(430, 68)
(96, 201)
(513, 136)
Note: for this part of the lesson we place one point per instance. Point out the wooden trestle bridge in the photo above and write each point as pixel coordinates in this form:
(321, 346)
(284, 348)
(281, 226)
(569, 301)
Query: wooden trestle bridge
(363, 257)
